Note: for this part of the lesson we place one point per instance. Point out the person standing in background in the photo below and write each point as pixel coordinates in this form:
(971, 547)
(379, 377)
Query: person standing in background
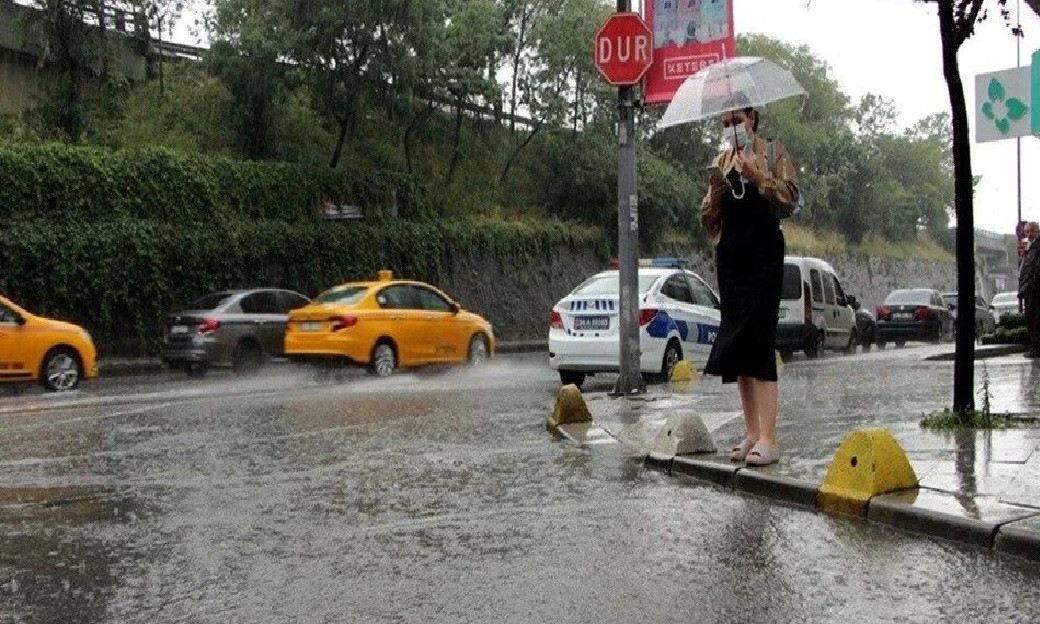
(1029, 288)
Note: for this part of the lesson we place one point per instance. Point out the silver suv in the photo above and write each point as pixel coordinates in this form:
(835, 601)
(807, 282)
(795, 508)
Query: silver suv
(240, 329)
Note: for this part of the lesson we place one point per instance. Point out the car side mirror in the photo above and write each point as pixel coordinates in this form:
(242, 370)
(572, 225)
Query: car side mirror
(852, 302)
(455, 308)
(19, 319)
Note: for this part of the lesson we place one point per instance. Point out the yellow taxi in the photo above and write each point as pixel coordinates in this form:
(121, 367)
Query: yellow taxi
(385, 325)
(33, 348)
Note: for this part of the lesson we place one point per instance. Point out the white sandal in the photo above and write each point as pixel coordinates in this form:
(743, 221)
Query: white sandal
(739, 453)
(763, 455)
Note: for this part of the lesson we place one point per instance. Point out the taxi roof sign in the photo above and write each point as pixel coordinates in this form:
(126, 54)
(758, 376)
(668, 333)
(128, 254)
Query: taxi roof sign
(385, 275)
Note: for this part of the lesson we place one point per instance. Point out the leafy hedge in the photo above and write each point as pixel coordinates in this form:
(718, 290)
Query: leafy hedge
(85, 184)
(1012, 320)
(1017, 336)
(118, 278)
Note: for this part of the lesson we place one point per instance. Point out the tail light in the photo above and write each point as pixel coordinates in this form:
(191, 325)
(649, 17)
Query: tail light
(883, 313)
(924, 312)
(342, 322)
(645, 316)
(207, 326)
(555, 320)
(807, 297)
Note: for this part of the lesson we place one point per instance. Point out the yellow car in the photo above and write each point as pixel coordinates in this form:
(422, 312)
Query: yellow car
(386, 325)
(33, 348)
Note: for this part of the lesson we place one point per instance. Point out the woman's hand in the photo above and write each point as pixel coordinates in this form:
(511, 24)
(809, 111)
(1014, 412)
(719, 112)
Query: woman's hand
(749, 167)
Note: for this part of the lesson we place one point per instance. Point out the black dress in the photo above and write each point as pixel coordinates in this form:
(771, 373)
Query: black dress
(750, 257)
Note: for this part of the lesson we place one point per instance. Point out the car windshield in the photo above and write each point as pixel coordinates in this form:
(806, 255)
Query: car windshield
(345, 294)
(211, 302)
(916, 297)
(792, 287)
(608, 285)
(1005, 298)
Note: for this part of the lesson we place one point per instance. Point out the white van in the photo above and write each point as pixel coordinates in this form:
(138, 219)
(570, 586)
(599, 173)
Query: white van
(815, 312)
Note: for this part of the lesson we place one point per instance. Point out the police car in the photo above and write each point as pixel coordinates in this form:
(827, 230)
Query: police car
(678, 319)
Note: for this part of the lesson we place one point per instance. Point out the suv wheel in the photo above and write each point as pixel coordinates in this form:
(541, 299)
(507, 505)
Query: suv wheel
(814, 343)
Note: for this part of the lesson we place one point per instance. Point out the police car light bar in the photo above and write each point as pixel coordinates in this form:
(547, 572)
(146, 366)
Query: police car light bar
(657, 263)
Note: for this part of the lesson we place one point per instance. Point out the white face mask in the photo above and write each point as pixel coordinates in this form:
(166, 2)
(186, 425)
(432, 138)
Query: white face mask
(738, 136)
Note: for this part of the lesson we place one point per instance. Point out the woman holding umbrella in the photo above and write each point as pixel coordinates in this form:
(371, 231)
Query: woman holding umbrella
(752, 185)
(746, 200)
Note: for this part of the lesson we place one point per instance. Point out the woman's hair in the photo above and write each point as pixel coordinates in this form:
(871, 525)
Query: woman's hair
(749, 111)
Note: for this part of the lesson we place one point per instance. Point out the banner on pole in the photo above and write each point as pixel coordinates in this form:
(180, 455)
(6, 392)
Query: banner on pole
(688, 36)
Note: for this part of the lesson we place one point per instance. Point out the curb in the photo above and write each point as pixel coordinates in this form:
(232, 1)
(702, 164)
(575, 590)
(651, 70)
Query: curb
(997, 536)
(981, 353)
(132, 367)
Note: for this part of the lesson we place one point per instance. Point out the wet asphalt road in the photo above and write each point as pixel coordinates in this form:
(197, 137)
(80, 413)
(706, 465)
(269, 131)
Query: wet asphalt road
(436, 497)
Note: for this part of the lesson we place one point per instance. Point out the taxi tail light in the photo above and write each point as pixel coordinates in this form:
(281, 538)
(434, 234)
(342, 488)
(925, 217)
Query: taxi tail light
(342, 322)
(555, 320)
(645, 316)
(208, 325)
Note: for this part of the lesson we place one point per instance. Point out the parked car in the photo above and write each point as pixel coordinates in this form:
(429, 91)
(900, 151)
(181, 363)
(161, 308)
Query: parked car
(866, 326)
(1004, 303)
(56, 354)
(385, 325)
(240, 329)
(678, 319)
(815, 312)
(913, 314)
(984, 323)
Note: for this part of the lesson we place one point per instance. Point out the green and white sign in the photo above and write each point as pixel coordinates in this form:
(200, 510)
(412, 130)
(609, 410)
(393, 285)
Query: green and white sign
(1007, 103)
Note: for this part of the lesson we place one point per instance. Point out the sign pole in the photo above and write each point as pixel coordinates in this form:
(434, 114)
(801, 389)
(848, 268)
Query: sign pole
(1018, 141)
(630, 381)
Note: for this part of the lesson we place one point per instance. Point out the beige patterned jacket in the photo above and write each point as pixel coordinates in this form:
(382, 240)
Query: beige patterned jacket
(779, 187)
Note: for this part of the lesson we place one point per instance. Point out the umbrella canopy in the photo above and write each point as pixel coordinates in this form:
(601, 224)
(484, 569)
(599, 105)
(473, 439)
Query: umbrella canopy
(728, 85)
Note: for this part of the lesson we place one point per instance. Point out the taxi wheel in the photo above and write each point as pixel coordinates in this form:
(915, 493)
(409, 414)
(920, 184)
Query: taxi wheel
(61, 370)
(478, 350)
(384, 359)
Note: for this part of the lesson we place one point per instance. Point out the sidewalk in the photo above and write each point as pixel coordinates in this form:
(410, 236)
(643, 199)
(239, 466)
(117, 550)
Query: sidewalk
(125, 367)
(981, 487)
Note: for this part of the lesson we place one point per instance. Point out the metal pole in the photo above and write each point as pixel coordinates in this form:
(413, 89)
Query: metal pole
(1018, 141)
(630, 379)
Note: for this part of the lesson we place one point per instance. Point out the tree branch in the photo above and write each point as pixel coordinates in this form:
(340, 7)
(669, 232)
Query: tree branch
(968, 18)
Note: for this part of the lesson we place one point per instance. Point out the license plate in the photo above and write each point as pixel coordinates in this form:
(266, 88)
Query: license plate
(903, 316)
(178, 330)
(310, 327)
(586, 323)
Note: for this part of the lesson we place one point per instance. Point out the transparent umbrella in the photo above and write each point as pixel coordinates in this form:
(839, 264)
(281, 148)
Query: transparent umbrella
(728, 85)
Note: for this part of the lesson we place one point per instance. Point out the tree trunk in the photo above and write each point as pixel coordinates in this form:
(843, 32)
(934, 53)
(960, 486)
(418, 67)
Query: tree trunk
(516, 153)
(162, 81)
(457, 139)
(416, 123)
(964, 360)
(344, 123)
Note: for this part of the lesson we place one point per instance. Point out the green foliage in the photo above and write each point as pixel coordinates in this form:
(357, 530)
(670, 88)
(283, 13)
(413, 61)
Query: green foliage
(75, 184)
(118, 278)
(1004, 336)
(976, 419)
(1013, 320)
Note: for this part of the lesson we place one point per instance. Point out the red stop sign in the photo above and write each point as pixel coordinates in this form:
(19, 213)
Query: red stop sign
(623, 49)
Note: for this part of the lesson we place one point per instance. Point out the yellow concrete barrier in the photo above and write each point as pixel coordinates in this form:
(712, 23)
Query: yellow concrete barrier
(868, 463)
(684, 371)
(570, 408)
